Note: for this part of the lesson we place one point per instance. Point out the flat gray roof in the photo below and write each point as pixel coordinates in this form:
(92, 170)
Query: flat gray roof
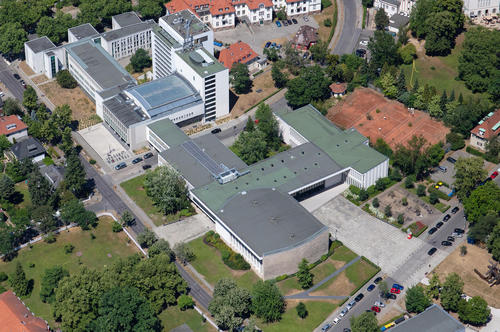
(187, 165)
(178, 22)
(201, 61)
(127, 31)
(127, 113)
(269, 221)
(168, 132)
(40, 44)
(165, 95)
(126, 19)
(99, 64)
(83, 31)
(433, 319)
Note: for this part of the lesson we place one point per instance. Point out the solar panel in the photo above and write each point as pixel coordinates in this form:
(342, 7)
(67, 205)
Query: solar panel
(204, 159)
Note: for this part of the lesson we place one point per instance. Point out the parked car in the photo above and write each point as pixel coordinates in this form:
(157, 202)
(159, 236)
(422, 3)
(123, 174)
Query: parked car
(375, 309)
(346, 329)
(344, 312)
(450, 238)
(351, 304)
(432, 251)
(327, 326)
(363, 42)
(359, 297)
(451, 160)
(379, 304)
(285, 23)
(455, 210)
(446, 217)
(306, 18)
(216, 130)
(398, 286)
(267, 44)
(442, 168)
(336, 320)
(289, 22)
(432, 230)
(148, 155)
(459, 230)
(379, 279)
(494, 174)
(120, 166)
(278, 24)
(455, 234)
(306, 54)
(390, 296)
(439, 224)
(137, 160)
(360, 53)
(294, 21)
(371, 287)
(16, 76)
(446, 243)
(145, 167)
(395, 290)
(23, 83)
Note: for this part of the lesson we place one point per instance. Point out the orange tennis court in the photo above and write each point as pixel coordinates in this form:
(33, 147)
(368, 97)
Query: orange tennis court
(377, 117)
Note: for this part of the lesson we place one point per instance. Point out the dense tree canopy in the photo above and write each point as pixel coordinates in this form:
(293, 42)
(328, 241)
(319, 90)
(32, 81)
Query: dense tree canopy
(11, 107)
(19, 283)
(140, 60)
(475, 311)
(50, 280)
(480, 230)
(65, 80)
(167, 189)
(416, 299)
(312, 84)
(494, 242)
(56, 28)
(381, 19)
(384, 50)
(451, 294)
(12, 38)
(74, 212)
(240, 78)
(39, 188)
(366, 322)
(482, 201)
(151, 8)
(7, 188)
(267, 301)
(230, 304)
(468, 172)
(74, 177)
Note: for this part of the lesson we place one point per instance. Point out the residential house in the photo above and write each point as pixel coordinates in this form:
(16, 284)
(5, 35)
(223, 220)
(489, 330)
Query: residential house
(12, 127)
(390, 7)
(338, 89)
(398, 21)
(14, 316)
(28, 147)
(487, 129)
(305, 37)
(241, 52)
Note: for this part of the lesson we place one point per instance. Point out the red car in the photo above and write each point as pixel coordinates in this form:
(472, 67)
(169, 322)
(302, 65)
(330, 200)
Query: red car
(395, 291)
(494, 175)
(375, 309)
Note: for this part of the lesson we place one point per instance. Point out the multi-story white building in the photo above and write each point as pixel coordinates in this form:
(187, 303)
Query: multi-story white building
(478, 8)
(301, 7)
(127, 40)
(392, 7)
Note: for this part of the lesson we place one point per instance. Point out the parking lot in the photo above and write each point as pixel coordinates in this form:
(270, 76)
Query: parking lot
(257, 35)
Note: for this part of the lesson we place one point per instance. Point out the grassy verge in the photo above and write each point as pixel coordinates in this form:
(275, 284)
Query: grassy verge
(318, 311)
(441, 207)
(106, 248)
(136, 191)
(343, 254)
(263, 100)
(360, 273)
(173, 317)
(208, 262)
(364, 17)
(334, 22)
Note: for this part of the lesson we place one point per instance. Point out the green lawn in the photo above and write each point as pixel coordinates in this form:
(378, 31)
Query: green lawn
(94, 254)
(209, 263)
(135, 190)
(318, 312)
(173, 317)
(22, 187)
(360, 272)
(343, 254)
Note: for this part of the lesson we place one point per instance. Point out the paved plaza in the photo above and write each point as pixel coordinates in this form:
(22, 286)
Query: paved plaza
(105, 144)
(185, 230)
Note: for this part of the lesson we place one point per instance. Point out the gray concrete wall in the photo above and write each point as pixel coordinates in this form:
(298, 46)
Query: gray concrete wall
(287, 262)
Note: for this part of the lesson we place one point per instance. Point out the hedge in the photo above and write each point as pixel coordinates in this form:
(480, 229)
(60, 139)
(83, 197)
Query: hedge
(229, 257)
(478, 153)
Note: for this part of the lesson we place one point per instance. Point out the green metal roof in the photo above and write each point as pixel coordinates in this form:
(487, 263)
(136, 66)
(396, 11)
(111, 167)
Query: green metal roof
(196, 61)
(168, 132)
(347, 148)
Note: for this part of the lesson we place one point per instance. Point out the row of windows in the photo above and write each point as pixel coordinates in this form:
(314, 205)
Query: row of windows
(182, 117)
(115, 124)
(82, 80)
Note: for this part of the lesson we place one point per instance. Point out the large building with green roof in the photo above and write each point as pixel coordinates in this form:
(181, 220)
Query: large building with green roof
(255, 207)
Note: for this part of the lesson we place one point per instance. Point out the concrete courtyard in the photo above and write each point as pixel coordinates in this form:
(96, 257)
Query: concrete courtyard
(185, 230)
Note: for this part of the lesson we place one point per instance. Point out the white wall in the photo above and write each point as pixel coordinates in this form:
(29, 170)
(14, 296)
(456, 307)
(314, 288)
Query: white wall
(223, 21)
(481, 7)
(34, 60)
(128, 45)
(390, 9)
(84, 80)
(18, 135)
(38, 158)
(208, 44)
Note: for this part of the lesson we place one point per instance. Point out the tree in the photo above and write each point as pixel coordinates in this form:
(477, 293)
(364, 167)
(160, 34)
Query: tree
(432, 291)
(230, 304)
(167, 189)
(440, 40)
(7, 188)
(395, 175)
(127, 218)
(279, 77)
(50, 280)
(383, 288)
(147, 238)
(468, 172)
(433, 197)
(389, 85)
(388, 211)
(184, 252)
(272, 54)
(30, 98)
(250, 125)
(319, 51)
(292, 59)
(412, 158)
(267, 301)
(384, 50)
(475, 311)
(416, 299)
(375, 202)
(381, 184)
(301, 310)
(65, 79)
(11, 107)
(381, 20)
(382, 147)
(12, 38)
(493, 149)
(74, 212)
(363, 195)
(44, 217)
(140, 60)
(451, 293)
(20, 285)
(124, 309)
(7, 240)
(39, 188)
(251, 147)
(304, 274)
(366, 322)
(401, 83)
(74, 177)
(151, 9)
(161, 246)
(240, 78)
(434, 107)
(494, 242)
(185, 302)
(480, 230)
(55, 28)
(312, 84)
(268, 125)
(456, 140)
(66, 141)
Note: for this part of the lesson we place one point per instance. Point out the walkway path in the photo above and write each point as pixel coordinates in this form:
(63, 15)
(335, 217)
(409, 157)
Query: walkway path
(305, 294)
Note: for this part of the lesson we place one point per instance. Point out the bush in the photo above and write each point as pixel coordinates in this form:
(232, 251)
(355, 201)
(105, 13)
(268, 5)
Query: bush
(371, 190)
(185, 302)
(421, 190)
(116, 228)
(355, 190)
(404, 201)
(401, 219)
(3, 276)
(229, 257)
(147, 238)
(327, 22)
(363, 195)
(433, 198)
(92, 162)
(31, 265)
(65, 80)
(388, 211)
(325, 4)
(281, 277)
(375, 202)
(50, 238)
(68, 248)
(456, 140)
(92, 236)
(408, 182)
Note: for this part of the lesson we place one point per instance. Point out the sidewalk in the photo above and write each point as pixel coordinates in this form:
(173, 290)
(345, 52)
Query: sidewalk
(43, 98)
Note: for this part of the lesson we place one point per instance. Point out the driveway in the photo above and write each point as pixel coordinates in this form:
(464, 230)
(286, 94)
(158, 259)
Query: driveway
(448, 176)
(257, 35)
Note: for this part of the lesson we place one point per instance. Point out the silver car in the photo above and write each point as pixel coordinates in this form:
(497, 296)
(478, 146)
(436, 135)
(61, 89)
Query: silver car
(343, 312)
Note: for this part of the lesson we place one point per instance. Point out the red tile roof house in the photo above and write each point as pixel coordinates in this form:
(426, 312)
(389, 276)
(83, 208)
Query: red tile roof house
(12, 127)
(15, 317)
(486, 129)
(241, 52)
(305, 37)
(338, 89)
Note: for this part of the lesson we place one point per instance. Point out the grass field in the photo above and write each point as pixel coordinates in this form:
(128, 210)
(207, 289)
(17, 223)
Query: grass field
(318, 311)
(173, 317)
(106, 248)
(209, 263)
(22, 187)
(136, 191)
(323, 31)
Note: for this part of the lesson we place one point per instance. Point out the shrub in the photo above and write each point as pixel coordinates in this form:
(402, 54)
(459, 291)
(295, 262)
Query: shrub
(68, 248)
(363, 195)
(65, 80)
(50, 238)
(92, 162)
(456, 141)
(395, 175)
(404, 201)
(185, 302)
(421, 190)
(229, 257)
(433, 198)
(375, 202)
(401, 219)
(92, 236)
(355, 190)
(388, 211)
(31, 265)
(327, 22)
(116, 227)
(282, 277)
(325, 4)
(408, 182)
(3, 276)
(324, 258)
(371, 190)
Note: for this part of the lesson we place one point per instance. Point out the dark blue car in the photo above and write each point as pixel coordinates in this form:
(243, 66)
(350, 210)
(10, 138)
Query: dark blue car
(371, 287)
(398, 286)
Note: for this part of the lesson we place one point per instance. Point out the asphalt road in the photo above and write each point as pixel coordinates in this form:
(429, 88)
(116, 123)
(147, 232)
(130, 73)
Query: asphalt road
(228, 135)
(7, 78)
(196, 291)
(350, 30)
